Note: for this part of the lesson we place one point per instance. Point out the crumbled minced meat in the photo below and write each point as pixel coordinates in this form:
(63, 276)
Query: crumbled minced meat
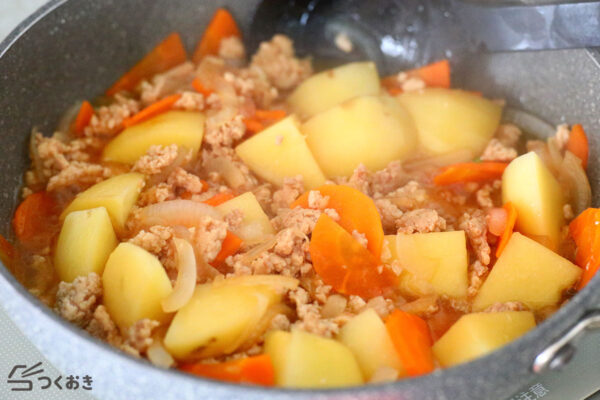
(232, 49)
(190, 101)
(420, 221)
(496, 151)
(508, 134)
(309, 315)
(139, 335)
(181, 179)
(103, 327)
(361, 238)
(377, 184)
(474, 224)
(223, 131)
(80, 174)
(410, 83)
(108, 120)
(409, 197)
(486, 194)
(156, 194)
(234, 219)
(208, 236)
(276, 58)
(291, 189)
(389, 212)
(156, 159)
(477, 273)
(507, 306)
(158, 240)
(302, 219)
(76, 301)
(317, 201)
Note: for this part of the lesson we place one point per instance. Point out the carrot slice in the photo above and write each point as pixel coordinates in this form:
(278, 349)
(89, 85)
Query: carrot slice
(200, 88)
(357, 211)
(257, 370)
(7, 251)
(342, 262)
(253, 125)
(412, 341)
(436, 74)
(231, 244)
(219, 198)
(578, 144)
(84, 116)
(470, 172)
(220, 27)
(154, 109)
(270, 114)
(31, 217)
(166, 55)
(585, 231)
(511, 212)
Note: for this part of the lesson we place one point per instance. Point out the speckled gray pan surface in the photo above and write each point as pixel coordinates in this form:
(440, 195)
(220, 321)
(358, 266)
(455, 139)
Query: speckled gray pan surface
(72, 50)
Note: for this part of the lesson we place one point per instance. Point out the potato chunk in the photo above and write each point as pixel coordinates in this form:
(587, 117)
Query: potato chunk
(135, 283)
(117, 194)
(280, 151)
(329, 88)
(438, 258)
(450, 120)
(183, 128)
(220, 317)
(527, 272)
(537, 196)
(478, 334)
(255, 225)
(305, 360)
(367, 337)
(86, 240)
(372, 130)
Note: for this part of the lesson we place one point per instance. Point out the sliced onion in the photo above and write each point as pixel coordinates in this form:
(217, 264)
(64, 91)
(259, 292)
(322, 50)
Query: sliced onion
(555, 156)
(455, 157)
(226, 168)
(64, 125)
(496, 219)
(186, 213)
(159, 356)
(254, 252)
(186, 277)
(580, 191)
(384, 374)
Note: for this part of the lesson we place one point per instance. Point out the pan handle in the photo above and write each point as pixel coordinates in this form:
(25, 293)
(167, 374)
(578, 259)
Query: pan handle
(560, 352)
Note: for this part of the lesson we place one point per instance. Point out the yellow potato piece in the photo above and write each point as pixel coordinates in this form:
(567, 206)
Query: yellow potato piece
(368, 339)
(527, 272)
(305, 360)
(329, 88)
(438, 258)
(280, 151)
(183, 128)
(475, 335)
(409, 284)
(372, 130)
(135, 283)
(537, 196)
(451, 120)
(117, 194)
(255, 225)
(86, 240)
(218, 319)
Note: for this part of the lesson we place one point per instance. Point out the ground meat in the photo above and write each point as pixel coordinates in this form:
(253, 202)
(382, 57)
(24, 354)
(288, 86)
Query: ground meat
(410, 83)
(474, 224)
(409, 197)
(422, 220)
(253, 84)
(263, 195)
(388, 179)
(317, 201)
(291, 189)
(302, 219)
(496, 151)
(77, 300)
(108, 120)
(103, 327)
(508, 134)
(389, 212)
(181, 179)
(276, 58)
(309, 315)
(360, 179)
(139, 335)
(190, 101)
(222, 131)
(158, 240)
(508, 306)
(156, 194)
(156, 159)
(232, 50)
(234, 219)
(161, 85)
(382, 306)
(477, 273)
(208, 236)
(279, 322)
(486, 194)
(360, 238)
(78, 174)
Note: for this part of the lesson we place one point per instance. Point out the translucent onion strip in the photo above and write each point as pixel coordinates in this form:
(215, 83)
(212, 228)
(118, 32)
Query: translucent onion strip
(186, 213)
(159, 356)
(186, 277)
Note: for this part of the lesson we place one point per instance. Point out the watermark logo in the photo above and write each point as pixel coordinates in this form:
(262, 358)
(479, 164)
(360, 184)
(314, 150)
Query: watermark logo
(23, 378)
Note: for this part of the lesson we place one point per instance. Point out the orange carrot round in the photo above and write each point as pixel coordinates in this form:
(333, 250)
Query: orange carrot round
(578, 144)
(220, 27)
(230, 245)
(219, 198)
(257, 370)
(412, 341)
(585, 231)
(470, 172)
(357, 211)
(342, 262)
(436, 74)
(154, 109)
(84, 116)
(200, 88)
(32, 215)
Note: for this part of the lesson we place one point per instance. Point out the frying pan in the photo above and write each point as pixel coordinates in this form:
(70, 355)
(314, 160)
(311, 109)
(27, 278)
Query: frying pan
(73, 49)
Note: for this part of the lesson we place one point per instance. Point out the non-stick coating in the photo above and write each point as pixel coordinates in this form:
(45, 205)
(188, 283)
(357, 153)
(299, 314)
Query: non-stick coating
(72, 50)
